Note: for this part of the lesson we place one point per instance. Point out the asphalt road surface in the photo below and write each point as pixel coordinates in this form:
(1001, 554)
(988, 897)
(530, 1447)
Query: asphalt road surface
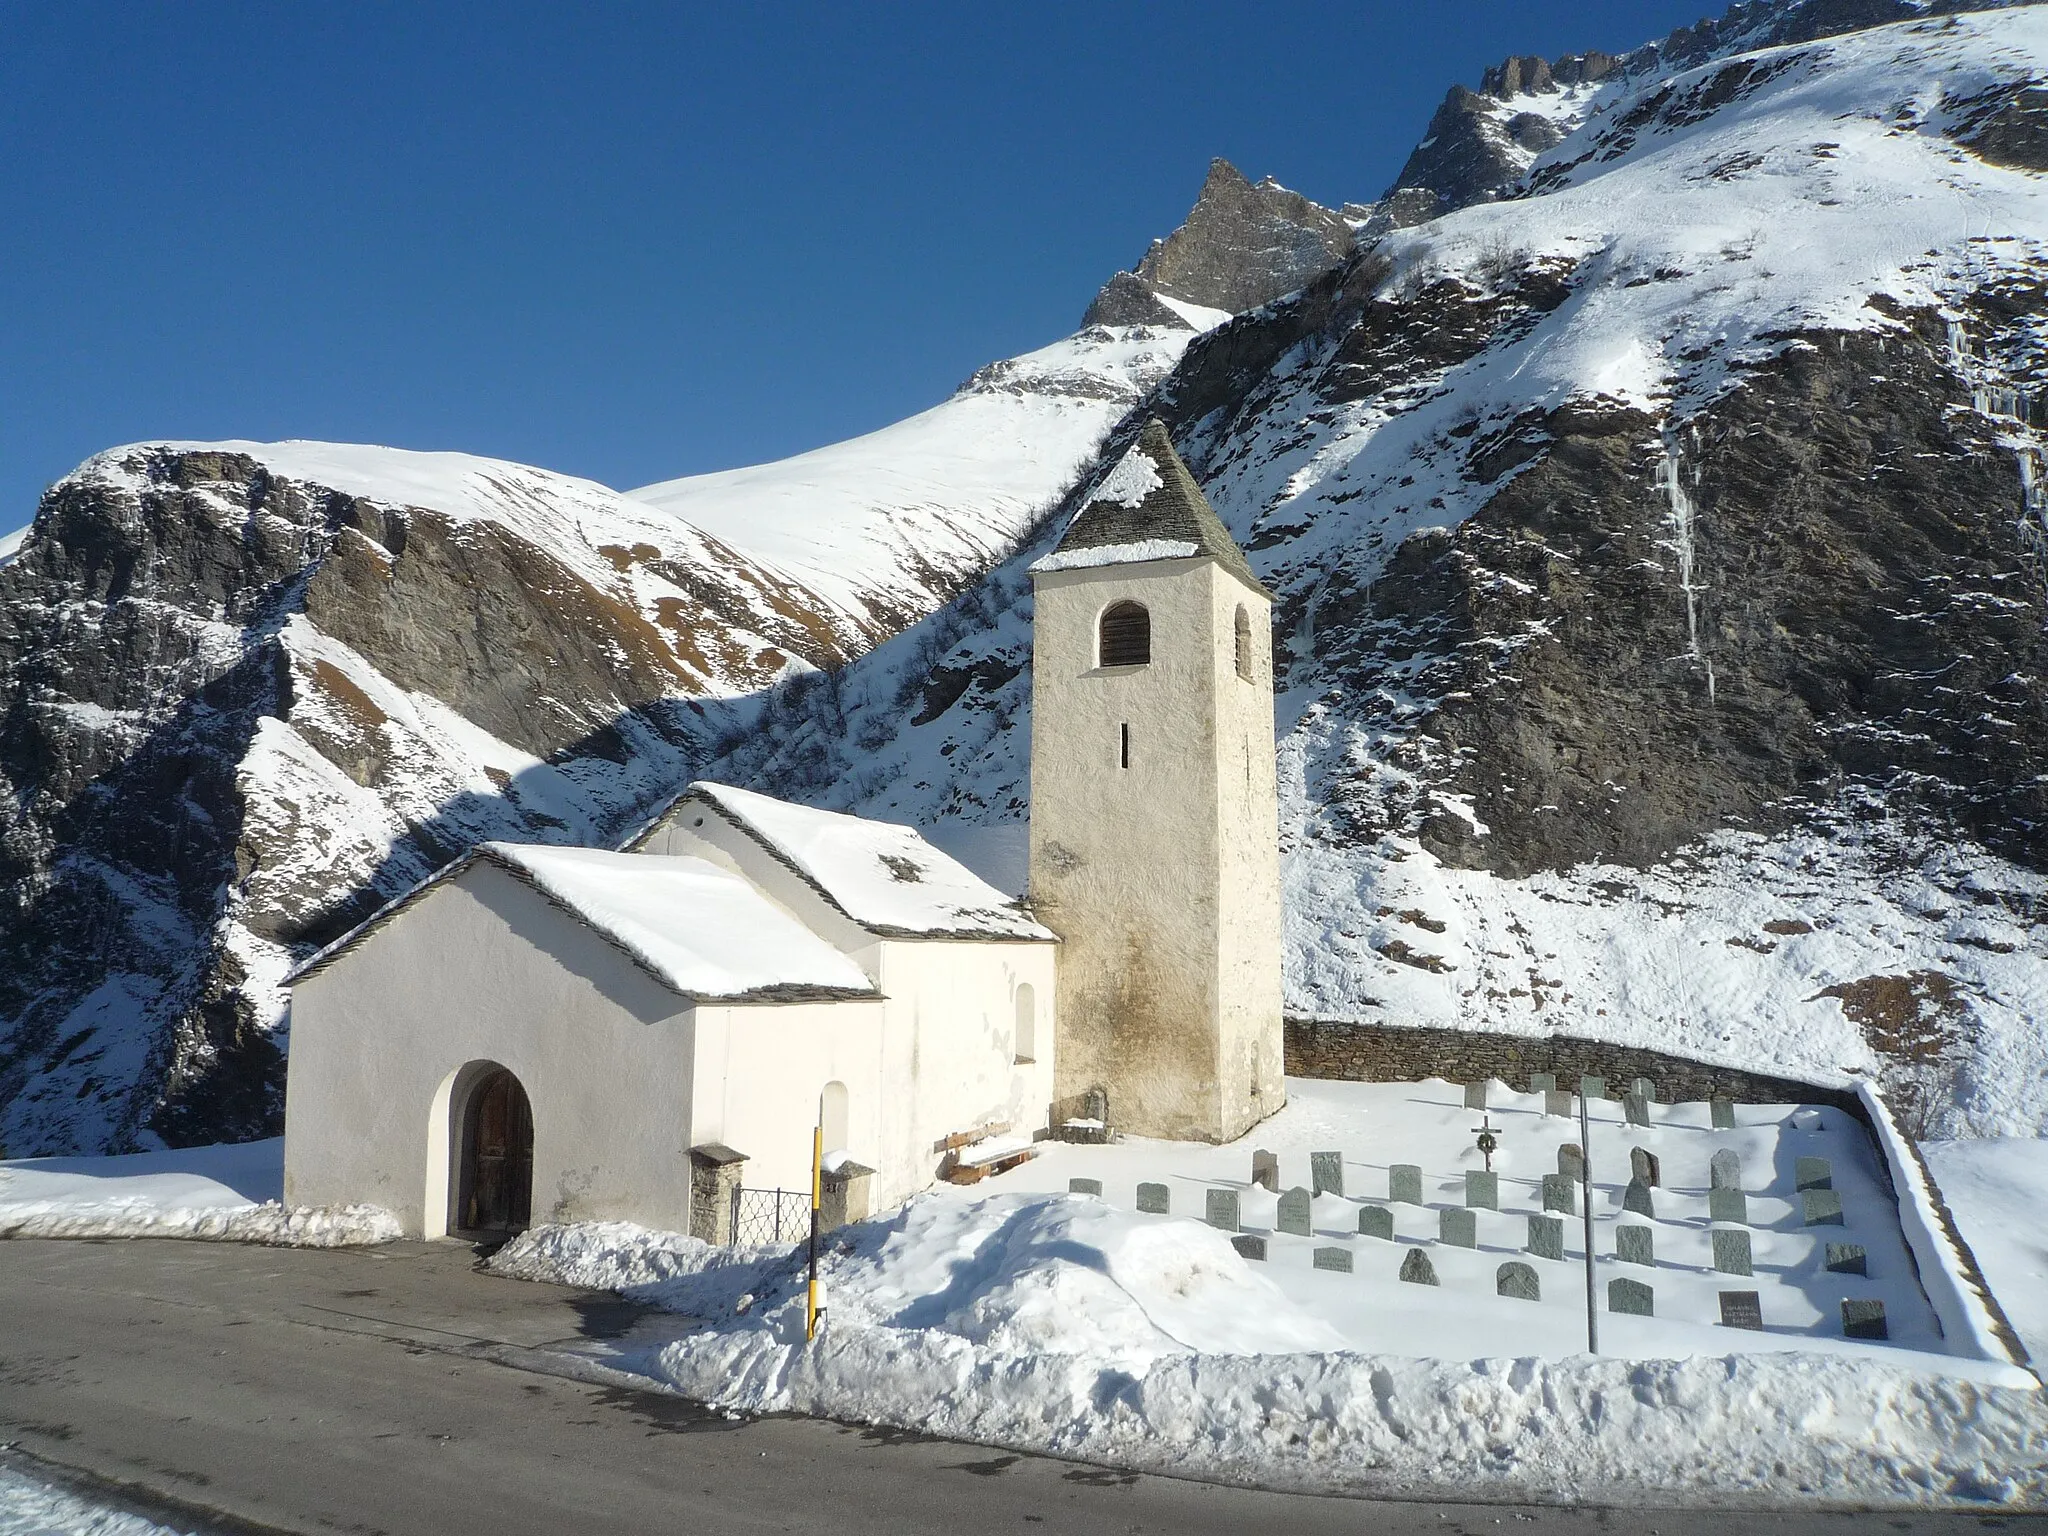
(226, 1388)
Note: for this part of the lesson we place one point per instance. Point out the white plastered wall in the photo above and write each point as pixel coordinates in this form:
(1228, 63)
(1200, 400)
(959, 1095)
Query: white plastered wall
(951, 1049)
(946, 1054)
(1161, 877)
(484, 968)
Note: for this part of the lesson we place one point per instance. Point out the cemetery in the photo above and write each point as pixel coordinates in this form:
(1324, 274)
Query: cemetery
(1717, 1228)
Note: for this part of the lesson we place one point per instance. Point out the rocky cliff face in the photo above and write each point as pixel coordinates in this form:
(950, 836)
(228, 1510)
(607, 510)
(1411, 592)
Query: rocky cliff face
(1661, 591)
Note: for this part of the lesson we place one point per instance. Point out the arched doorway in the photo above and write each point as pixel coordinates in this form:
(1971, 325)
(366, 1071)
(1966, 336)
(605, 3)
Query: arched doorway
(497, 1156)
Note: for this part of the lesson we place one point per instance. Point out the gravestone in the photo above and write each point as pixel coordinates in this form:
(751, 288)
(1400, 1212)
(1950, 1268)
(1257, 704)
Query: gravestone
(1416, 1268)
(1543, 1082)
(1645, 1165)
(1266, 1171)
(1592, 1088)
(1728, 1205)
(1517, 1280)
(1475, 1095)
(1571, 1161)
(1482, 1190)
(1249, 1245)
(1725, 1171)
(1645, 1089)
(1155, 1200)
(1812, 1173)
(1635, 1109)
(1457, 1228)
(1555, 1103)
(1404, 1183)
(1376, 1221)
(1338, 1259)
(1847, 1259)
(1635, 1199)
(1742, 1309)
(1219, 1209)
(1546, 1237)
(1731, 1252)
(1631, 1298)
(1560, 1193)
(1084, 1186)
(1821, 1208)
(1723, 1113)
(1294, 1212)
(1634, 1243)
(1326, 1172)
(1864, 1319)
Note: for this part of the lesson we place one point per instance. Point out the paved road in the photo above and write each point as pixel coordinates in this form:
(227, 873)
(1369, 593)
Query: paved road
(390, 1390)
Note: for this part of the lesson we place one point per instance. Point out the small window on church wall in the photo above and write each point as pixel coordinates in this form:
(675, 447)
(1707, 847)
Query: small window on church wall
(832, 1116)
(1126, 636)
(1244, 644)
(1027, 1024)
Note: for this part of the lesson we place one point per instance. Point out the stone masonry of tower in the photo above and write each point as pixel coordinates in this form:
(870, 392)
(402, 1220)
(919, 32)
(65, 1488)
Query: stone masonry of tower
(1154, 817)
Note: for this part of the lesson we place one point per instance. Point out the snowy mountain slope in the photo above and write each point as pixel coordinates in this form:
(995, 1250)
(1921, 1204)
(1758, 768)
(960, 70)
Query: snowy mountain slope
(892, 524)
(249, 691)
(1662, 601)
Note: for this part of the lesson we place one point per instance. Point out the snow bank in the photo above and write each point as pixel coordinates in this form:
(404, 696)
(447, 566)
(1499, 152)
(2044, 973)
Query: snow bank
(226, 1194)
(272, 1223)
(1956, 1295)
(1056, 1324)
(1997, 1190)
(34, 1506)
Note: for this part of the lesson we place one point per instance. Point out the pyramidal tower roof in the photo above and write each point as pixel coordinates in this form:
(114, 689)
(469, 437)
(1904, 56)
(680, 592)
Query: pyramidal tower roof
(1147, 507)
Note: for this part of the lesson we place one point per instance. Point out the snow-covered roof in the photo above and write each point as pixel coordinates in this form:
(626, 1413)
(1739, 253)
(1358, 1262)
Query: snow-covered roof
(1147, 507)
(884, 876)
(699, 930)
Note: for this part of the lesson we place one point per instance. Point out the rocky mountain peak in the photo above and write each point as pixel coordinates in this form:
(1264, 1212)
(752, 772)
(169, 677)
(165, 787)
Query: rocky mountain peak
(1244, 244)
(1480, 143)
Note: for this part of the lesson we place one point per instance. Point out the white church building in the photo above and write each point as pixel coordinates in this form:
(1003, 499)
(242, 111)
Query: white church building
(543, 1033)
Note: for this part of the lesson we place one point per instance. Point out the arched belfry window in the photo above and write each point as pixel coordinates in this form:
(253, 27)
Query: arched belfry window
(1244, 644)
(1125, 636)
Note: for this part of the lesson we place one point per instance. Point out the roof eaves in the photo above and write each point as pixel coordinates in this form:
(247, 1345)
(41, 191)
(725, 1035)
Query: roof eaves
(321, 958)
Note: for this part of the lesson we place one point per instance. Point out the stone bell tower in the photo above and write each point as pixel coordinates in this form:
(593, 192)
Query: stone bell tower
(1154, 819)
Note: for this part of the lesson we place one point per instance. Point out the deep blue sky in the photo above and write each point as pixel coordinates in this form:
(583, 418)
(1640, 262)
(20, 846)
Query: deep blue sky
(631, 242)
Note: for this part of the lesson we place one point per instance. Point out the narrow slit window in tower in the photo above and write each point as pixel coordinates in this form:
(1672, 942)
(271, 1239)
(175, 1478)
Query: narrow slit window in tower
(1244, 643)
(1123, 745)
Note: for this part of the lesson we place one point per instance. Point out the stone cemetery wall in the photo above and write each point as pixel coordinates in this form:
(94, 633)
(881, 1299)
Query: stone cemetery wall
(1394, 1053)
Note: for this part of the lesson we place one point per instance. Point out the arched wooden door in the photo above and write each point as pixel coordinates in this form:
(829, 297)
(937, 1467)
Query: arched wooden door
(497, 1156)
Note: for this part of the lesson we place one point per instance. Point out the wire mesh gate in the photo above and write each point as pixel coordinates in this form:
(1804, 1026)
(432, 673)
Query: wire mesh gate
(770, 1216)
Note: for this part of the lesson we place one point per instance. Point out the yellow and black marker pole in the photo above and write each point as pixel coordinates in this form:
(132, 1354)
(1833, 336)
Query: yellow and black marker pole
(817, 1189)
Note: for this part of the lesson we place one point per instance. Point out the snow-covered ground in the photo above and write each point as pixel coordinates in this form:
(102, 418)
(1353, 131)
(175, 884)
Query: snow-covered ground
(224, 1193)
(1998, 1190)
(1016, 1314)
